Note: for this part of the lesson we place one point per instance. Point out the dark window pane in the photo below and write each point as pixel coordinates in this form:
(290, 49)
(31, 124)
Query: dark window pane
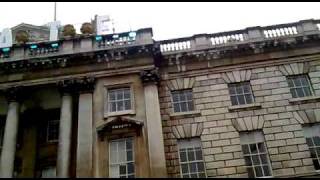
(245, 149)
(313, 153)
(127, 104)
(175, 97)
(119, 95)
(246, 88)
(239, 89)
(112, 96)
(129, 155)
(316, 141)
(194, 175)
(184, 168)
(256, 160)
(264, 159)
(129, 144)
(304, 81)
(123, 169)
(183, 106)
(290, 82)
(234, 100)
(130, 168)
(297, 82)
(309, 141)
(120, 106)
(248, 160)
(183, 156)
(193, 167)
(248, 98)
(241, 99)
(198, 154)
(176, 107)
(316, 164)
(189, 95)
(258, 170)
(266, 171)
(191, 155)
(190, 106)
(113, 107)
(307, 91)
(200, 166)
(261, 147)
(183, 97)
(127, 94)
(253, 148)
(250, 172)
(299, 92)
(202, 175)
(185, 176)
(294, 93)
(232, 90)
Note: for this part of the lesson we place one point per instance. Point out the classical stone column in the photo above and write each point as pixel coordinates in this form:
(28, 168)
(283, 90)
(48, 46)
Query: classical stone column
(85, 128)
(10, 133)
(154, 125)
(65, 129)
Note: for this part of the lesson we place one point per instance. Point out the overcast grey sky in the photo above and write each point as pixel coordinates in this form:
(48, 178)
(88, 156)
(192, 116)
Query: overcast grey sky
(168, 20)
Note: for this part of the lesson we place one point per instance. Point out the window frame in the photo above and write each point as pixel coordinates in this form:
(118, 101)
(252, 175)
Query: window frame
(107, 88)
(310, 131)
(133, 161)
(186, 101)
(290, 77)
(194, 142)
(47, 130)
(236, 95)
(255, 137)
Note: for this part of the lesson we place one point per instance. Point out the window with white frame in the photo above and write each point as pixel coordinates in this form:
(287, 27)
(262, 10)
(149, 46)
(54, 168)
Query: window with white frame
(121, 158)
(53, 130)
(49, 172)
(240, 93)
(300, 85)
(119, 99)
(255, 154)
(182, 100)
(191, 159)
(312, 134)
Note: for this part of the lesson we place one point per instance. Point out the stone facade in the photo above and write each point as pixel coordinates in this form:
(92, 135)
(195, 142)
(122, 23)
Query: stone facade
(73, 85)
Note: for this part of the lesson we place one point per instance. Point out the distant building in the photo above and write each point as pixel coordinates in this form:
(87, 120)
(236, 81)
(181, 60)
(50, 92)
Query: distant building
(36, 33)
(243, 103)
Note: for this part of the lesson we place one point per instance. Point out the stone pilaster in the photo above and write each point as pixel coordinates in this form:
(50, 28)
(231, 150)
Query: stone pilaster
(154, 126)
(13, 96)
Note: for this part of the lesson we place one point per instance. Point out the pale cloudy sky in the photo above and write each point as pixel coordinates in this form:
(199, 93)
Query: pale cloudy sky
(168, 20)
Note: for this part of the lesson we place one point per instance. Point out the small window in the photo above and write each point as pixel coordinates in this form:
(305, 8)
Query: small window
(121, 158)
(300, 86)
(312, 134)
(49, 172)
(53, 130)
(240, 93)
(182, 100)
(119, 99)
(255, 154)
(191, 159)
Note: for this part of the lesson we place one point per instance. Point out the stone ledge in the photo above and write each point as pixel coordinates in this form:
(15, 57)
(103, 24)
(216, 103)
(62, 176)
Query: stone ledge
(304, 100)
(188, 113)
(120, 113)
(245, 107)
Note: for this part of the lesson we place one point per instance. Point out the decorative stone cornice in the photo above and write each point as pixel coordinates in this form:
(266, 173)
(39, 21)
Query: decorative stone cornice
(294, 68)
(14, 94)
(236, 76)
(307, 116)
(85, 85)
(248, 123)
(187, 130)
(150, 76)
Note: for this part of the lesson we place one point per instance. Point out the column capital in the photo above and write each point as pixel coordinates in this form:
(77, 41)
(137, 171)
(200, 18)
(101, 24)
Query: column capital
(150, 76)
(85, 84)
(67, 86)
(14, 94)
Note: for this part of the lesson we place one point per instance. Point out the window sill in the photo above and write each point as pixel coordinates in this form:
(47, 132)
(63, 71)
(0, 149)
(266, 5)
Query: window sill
(245, 107)
(304, 99)
(188, 113)
(131, 112)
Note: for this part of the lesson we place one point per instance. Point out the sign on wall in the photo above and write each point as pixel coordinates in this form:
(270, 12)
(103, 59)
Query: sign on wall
(54, 30)
(6, 38)
(104, 25)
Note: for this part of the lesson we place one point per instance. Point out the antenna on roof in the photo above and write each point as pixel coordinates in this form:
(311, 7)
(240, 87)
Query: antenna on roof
(55, 11)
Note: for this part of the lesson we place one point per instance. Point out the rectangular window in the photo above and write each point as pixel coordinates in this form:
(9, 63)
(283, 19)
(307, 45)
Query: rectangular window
(48, 172)
(119, 99)
(121, 158)
(312, 134)
(240, 93)
(255, 154)
(182, 100)
(299, 86)
(53, 130)
(191, 160)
